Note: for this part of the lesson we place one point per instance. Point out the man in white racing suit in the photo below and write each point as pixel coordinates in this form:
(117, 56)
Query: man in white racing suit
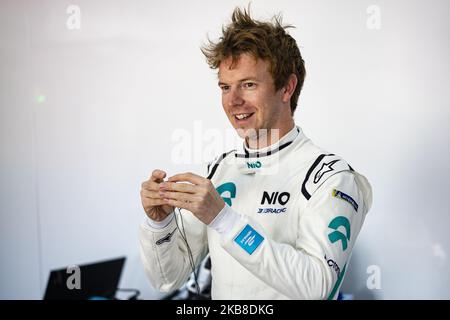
(280, 216)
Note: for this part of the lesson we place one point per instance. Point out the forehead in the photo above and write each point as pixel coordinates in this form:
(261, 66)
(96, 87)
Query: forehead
(245, 66)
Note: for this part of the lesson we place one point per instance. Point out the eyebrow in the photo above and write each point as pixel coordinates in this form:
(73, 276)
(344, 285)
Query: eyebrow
(241, 80)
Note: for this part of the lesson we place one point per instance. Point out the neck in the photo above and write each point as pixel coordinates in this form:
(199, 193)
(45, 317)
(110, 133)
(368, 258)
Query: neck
(267, 137)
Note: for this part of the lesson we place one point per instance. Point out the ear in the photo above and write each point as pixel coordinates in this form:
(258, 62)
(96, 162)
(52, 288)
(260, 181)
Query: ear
(289, 88)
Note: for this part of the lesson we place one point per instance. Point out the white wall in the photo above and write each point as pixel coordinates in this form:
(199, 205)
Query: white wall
(118, 88)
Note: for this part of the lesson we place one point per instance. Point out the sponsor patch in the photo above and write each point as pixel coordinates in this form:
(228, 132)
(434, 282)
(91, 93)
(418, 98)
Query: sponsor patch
(276, 199)
(166, 238)
(345, 197)
(333, 265)
(249, 239)
(323, 167)
(272, 210)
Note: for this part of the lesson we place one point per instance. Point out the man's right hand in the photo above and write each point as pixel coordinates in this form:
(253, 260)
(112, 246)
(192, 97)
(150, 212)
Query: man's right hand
(154, 206)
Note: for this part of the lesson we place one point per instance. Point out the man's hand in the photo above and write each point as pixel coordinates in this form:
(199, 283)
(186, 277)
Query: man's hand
(199, 196)
(154, 206)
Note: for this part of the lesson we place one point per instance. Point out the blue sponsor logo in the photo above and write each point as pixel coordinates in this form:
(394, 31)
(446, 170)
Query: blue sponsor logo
(249, 239)
(272, 210)
(345, 197)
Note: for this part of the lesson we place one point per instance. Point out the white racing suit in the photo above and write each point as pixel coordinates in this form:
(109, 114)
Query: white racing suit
(292, 215)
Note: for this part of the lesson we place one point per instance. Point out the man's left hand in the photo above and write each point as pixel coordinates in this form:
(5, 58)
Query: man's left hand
(198, 196)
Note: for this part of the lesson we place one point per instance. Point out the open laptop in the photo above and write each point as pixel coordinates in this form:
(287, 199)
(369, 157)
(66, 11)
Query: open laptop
(96, 281)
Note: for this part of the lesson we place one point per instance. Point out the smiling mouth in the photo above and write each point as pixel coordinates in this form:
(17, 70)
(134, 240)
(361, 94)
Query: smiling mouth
(243, 116)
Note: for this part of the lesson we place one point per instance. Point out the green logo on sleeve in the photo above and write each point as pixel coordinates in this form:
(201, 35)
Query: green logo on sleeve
(337, 235)
(229, 187)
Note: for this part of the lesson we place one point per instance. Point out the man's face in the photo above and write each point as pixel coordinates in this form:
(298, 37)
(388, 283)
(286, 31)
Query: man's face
(249, 97)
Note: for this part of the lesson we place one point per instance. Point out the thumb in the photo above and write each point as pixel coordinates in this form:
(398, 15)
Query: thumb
(157, 175)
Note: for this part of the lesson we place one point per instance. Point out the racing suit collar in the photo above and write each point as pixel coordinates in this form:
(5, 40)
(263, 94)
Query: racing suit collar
(286, 140)
(265, 161)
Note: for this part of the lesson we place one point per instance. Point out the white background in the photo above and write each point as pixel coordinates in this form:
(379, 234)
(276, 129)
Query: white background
(86, 114)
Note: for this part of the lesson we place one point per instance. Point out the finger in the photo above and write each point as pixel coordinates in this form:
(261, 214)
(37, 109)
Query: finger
(180, 187)
(179, 196)
(179, 204)
(157, 175)
(150, 185)
(150, 194)
(154, 202)
(188, 176)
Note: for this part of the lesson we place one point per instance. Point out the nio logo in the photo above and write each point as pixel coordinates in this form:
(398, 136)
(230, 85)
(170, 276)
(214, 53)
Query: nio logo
(253, 165)
(282, 198)
(229, 187)
(337, 235)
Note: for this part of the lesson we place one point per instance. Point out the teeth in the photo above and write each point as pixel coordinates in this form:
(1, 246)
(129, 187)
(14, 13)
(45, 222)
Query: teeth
(242, 116)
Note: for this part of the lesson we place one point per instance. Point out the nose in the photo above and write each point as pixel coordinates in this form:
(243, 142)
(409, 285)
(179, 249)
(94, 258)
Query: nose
(235, 97)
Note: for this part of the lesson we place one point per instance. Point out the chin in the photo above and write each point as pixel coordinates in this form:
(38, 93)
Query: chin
(245, 133)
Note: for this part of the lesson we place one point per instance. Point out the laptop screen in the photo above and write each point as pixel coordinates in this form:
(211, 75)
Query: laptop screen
(89, 281)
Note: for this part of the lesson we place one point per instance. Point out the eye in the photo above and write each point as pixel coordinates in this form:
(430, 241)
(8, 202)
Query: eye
(249, 85)
(224, 88)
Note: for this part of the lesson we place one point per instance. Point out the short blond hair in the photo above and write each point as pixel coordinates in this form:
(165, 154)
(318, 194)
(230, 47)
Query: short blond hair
(268, 41)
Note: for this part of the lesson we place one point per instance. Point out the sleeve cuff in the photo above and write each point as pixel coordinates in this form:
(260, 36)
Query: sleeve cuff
(225, 221)
(160, 224)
